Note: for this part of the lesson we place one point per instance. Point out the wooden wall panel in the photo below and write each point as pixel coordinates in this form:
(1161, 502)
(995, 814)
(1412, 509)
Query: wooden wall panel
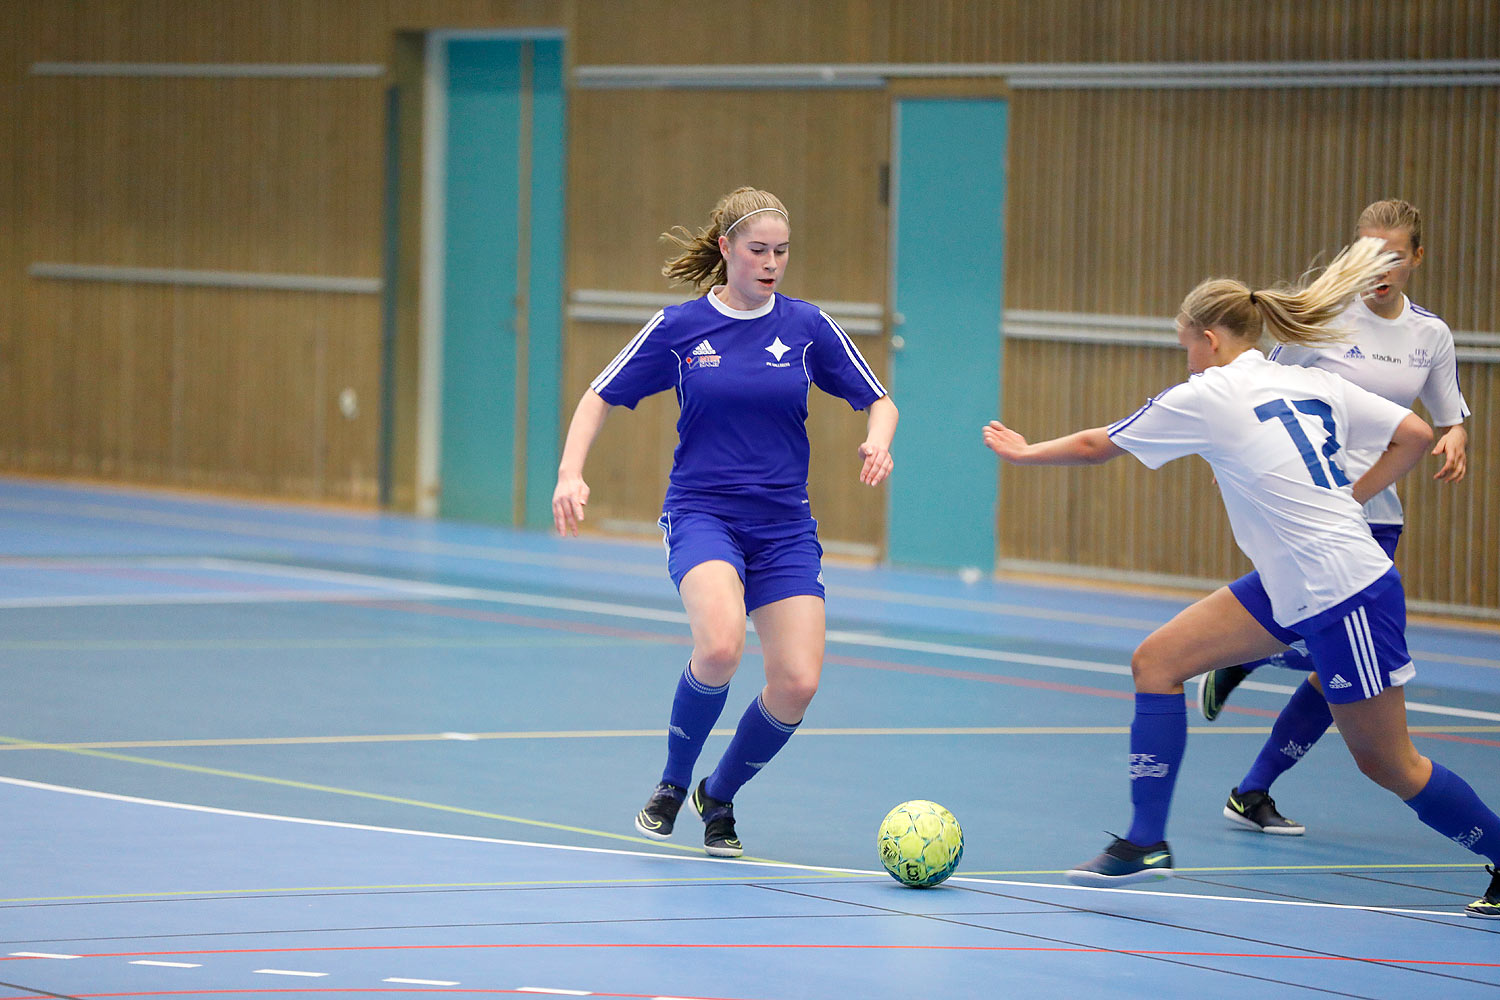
(641, 162)
(1124, 200)
(1120, 516)
(979, 31)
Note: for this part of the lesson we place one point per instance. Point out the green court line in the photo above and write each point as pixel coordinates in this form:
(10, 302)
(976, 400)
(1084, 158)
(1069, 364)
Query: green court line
(13, 743)
(353, 793)
(153, 645)
(581, 882)
(425, 886)
(1450, 865)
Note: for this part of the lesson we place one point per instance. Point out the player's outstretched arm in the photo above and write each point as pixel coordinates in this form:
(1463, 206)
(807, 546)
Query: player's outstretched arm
(572, 494)
(1409, 443)
(880, 429)
(1090, 447)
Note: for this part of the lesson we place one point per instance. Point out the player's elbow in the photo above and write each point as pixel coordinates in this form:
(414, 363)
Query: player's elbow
(1414, 432)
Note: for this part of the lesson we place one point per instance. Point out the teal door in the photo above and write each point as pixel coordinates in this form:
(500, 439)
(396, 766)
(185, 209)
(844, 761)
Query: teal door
(502, 280)
(948, 182)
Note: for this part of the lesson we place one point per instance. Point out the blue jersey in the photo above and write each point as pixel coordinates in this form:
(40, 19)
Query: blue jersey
(742, 380)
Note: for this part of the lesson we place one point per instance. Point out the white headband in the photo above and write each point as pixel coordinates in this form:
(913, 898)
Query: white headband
(747, 215)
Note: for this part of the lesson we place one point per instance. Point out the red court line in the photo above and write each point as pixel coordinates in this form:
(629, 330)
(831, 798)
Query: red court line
(355, 989)
(562, 625)
(747, 946)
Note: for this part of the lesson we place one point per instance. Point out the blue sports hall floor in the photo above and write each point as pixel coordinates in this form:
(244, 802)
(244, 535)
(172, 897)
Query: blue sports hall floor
(252, 749)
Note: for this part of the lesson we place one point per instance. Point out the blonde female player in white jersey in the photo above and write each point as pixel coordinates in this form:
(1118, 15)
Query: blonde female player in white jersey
(1274, 436)
(1398, 350)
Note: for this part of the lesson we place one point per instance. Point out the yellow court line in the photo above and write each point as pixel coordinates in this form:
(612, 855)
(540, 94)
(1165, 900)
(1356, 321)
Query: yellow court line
(14, 743)
(355, 793)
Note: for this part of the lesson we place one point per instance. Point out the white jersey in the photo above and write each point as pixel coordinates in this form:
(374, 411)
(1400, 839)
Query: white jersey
(1402, 359)
(1274, 436)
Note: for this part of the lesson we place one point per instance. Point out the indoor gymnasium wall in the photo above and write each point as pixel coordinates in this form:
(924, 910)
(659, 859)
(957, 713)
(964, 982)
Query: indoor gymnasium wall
(1119, 199)
(235, 389)
(1165, 187)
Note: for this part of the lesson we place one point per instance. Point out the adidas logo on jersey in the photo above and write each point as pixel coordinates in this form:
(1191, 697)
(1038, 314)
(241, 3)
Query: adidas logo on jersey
(704, 348)
(1353, 352)
(1339, 682)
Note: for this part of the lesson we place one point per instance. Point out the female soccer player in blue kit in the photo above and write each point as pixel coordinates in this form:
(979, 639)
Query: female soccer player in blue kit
(1398, 350)
(1274, 436)
(739, 534)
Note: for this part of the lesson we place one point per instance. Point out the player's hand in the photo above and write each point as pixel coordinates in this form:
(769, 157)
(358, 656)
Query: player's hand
(1003, 441)
(878, 464)
(568, 501)
(1454, 447)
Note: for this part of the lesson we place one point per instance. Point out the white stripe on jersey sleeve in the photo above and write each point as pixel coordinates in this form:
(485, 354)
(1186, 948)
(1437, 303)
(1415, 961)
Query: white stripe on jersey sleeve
(626, 353)
(854, 356)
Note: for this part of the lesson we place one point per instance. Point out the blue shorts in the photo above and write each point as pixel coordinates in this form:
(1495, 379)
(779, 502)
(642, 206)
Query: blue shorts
(774, 559)
(1358, 646)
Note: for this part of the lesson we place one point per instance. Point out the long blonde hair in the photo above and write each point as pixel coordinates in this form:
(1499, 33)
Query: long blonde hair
(700, 263)
(1292, 314)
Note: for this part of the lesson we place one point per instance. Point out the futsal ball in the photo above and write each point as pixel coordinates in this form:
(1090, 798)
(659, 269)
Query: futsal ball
(920, 843)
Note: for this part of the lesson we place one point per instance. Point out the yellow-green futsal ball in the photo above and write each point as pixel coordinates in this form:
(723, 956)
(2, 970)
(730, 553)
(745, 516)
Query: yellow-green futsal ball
(920, 843)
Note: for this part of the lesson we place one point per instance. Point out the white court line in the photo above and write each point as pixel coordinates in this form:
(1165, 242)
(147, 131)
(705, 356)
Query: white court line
(290, 972)
(168, 965)
(717, 862)
(545, 989)
(496, 554)
(38, 954)
(409, 588)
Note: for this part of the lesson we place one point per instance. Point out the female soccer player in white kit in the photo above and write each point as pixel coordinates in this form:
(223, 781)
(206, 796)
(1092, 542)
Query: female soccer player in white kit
(1274, 436)
(739, 532)
(1398, 350)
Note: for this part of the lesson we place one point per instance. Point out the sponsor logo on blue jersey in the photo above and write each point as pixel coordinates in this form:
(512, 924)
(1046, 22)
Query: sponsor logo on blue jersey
(703, 356)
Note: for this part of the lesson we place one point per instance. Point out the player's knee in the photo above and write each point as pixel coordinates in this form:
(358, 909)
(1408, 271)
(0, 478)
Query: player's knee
(795, 691)
(1148, 669)
(716, 656)
(1390, 771)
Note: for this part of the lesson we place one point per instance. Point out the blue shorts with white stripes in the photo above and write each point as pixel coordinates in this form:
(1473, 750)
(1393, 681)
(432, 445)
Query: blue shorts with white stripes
(1358, 646)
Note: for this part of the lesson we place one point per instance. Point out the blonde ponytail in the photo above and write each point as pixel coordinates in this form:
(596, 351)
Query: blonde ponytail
(1293, 314)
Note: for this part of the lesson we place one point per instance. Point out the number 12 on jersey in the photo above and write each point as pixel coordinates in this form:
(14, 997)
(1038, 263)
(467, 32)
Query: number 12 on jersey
(1278, 409)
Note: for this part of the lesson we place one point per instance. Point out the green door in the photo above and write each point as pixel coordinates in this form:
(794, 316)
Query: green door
(502, 280)
(948, 181)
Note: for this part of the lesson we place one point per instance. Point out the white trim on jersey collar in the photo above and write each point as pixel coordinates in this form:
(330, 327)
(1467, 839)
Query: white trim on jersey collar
(734, 313)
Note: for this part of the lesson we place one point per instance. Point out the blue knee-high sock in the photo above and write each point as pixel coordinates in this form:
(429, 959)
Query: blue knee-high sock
(1303, 720)
(1448, 805)
(759, 736)
(1158, 737)
(695, 709)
